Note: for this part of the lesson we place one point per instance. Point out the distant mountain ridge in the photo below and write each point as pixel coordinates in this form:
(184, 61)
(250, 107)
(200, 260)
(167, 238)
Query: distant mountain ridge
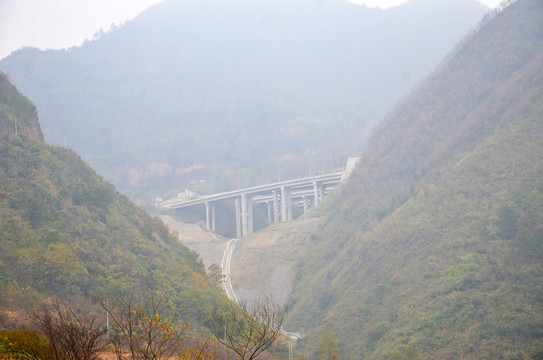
(250, 90)
(433, 248)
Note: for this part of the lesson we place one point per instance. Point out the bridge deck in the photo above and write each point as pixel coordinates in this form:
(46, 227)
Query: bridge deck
(327, 179)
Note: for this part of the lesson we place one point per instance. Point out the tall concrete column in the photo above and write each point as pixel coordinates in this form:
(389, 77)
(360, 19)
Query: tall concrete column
(212, 216)
(238, 218)
(275, 207)
(244, 224)
(283, 203)
(208, 226)
(322, 194)
(289, 205)
(304, 200)
(249, 215)
(316, 193)
(268, 205)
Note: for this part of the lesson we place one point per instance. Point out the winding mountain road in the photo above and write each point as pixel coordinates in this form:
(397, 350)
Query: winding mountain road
(225, 265)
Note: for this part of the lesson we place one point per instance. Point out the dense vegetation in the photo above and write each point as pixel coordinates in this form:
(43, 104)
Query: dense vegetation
(234, 92)
(433, 250)
(66, 233)
(17, 113)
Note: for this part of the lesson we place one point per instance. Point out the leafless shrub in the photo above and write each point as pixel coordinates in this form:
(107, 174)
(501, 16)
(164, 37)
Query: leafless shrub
(249, 330)
(71, 336)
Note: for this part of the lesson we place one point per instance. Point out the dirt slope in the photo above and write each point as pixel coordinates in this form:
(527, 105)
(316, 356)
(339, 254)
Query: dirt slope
(263, 264)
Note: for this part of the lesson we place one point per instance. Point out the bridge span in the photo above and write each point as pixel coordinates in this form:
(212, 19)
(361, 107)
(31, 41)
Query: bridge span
(279, 197)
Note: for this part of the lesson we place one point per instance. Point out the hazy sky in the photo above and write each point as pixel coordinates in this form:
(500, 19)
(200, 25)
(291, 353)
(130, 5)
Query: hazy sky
(63, 23)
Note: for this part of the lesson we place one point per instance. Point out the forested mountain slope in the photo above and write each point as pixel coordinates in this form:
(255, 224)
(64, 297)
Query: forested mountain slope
(66, 233)
(434, 248)
(234, 92)
(17, 114)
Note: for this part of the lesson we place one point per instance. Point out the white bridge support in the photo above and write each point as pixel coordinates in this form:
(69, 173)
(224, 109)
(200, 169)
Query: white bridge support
(279, 207)
(283, 203)
(275, 206)
(279, 198)
(238, 218)
(318, 192)
(210, 220)
(269, 207)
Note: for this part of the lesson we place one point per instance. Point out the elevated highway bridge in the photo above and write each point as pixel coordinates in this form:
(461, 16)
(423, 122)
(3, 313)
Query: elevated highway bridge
(279, 197)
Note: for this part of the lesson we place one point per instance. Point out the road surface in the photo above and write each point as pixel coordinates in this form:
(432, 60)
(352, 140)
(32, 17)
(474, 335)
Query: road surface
(225, 265)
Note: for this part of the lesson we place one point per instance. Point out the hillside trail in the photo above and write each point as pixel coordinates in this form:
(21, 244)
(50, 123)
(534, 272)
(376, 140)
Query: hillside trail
(263, 264)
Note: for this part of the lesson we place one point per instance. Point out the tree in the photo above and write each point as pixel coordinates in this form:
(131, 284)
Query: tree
(408, 353)
(328, 348)
(508, 222)
(248, 330)
(71, 336)
(216, 277)
(24, 344)
(141, 326)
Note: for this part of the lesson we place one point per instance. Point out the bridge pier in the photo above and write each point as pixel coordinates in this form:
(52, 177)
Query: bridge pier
(246, 215)
(322, 192)
(316, 193)
(286, 204)
(250, 222)
(244, 227)
(289, 205)
(210, 218)
(238, 218)
(268, 205)
(304, 201)
(283, 203)
(275, 207)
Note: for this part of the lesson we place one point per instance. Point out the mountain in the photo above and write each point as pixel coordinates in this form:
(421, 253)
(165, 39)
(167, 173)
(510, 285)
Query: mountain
(66, 233)
(433, 249)
(234, 92)
(18, 115)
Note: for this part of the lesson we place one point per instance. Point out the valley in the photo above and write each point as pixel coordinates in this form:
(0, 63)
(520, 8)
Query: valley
(432, 248)
(262, 264)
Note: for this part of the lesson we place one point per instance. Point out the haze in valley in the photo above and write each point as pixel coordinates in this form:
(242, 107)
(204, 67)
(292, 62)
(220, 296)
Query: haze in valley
(430, 248)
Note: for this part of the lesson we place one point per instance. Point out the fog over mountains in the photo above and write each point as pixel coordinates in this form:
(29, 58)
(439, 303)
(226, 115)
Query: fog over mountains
(234, 92)
(431, 249)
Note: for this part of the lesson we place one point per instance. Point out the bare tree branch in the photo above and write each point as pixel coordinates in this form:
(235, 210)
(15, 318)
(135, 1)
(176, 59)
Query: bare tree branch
(249, 330)
(71, 336)
(141, 326)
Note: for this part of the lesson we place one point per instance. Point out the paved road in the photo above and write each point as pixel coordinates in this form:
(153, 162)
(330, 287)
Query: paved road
(225, 265)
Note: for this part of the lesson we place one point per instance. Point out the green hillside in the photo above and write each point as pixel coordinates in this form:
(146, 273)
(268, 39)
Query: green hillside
(65, 232)
(17, 114)
(434, 248)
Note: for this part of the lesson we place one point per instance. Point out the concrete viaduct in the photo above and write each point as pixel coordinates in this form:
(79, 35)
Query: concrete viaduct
(279, 198)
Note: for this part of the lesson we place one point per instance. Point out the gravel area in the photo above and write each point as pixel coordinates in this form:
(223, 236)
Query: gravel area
(263, 263)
